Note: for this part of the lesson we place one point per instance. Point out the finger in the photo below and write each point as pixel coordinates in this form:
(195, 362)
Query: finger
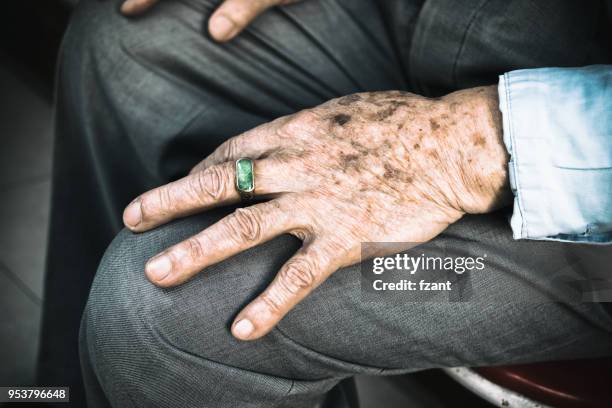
(254, 143)
(241, 230)
(135, 7)
(210, 188)
(234, 15)
(295, 280)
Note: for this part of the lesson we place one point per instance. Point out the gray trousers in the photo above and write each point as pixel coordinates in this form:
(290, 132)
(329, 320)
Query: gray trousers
(141, 101)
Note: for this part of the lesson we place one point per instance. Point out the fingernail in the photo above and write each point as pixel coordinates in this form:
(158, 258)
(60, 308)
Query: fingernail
(222, 28)
(159, 267)
(243, 328)
(127, 6)
(132, 216)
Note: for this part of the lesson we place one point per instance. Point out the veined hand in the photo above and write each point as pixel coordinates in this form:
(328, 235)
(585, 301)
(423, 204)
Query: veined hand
(369, 167)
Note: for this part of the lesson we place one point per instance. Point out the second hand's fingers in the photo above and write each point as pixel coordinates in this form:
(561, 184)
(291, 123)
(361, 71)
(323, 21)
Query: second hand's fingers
(135, 7)
(199, 191)
(234, 15)
(296, 279)
(239, 231)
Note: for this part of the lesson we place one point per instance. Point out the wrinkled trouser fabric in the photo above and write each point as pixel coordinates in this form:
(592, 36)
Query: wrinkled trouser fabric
(140, 101)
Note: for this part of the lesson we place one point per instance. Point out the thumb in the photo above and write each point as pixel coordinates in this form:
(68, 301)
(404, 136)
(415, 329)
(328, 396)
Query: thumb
(234, 15)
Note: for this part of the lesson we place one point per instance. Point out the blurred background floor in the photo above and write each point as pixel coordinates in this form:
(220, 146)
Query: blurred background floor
(25, 170)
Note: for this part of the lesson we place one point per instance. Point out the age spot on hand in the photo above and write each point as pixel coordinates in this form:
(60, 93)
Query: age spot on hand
(479, 141)
(341, 119)
(349, 161)
(359, 147)
(391, 172)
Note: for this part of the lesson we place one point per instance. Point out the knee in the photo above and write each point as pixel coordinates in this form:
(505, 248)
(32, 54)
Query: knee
(131, 327)
(115, 337)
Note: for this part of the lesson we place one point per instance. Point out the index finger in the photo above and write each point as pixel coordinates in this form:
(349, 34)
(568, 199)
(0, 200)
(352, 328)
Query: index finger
(209, 188)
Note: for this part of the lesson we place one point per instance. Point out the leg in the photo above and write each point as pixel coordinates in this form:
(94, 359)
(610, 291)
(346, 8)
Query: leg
(140, 101)
(153, 347)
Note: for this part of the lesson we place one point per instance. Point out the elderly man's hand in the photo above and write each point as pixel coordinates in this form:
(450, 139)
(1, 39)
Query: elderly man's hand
(227, 21)
(369, 167)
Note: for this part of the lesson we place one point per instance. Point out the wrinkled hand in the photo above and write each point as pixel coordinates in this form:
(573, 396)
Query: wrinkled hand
(226, 22)
(370, 167)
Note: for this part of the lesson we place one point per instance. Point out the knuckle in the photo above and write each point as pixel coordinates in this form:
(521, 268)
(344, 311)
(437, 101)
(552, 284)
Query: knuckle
(307, 116)
(195, 186)
(246, 223)
(165, 198)
(156, 202)
(297, 275)
(194, 248)
(273, 301)
(212, 182)
(231, 149)
(299, 123)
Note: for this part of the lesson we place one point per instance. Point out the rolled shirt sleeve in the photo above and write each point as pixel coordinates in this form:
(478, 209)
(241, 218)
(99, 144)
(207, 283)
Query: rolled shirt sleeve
(557, 125)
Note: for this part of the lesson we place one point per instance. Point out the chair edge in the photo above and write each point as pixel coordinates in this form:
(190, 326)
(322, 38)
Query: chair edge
(489, 391)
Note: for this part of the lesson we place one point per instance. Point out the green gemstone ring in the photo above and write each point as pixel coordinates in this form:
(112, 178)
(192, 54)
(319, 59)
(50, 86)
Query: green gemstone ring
(245, 178)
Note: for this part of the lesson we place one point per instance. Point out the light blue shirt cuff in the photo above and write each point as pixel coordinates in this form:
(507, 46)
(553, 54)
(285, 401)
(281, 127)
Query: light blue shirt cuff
(557, 125)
